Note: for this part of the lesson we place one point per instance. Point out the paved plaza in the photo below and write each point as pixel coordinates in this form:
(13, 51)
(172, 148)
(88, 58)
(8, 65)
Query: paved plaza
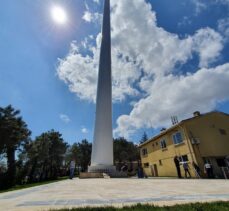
(115, 192)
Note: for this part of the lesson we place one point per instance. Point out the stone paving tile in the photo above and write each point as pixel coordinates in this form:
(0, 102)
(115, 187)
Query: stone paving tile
(15, 194)
(99, 192)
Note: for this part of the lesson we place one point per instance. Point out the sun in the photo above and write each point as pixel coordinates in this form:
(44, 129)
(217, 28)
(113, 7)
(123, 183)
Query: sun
(59, 15)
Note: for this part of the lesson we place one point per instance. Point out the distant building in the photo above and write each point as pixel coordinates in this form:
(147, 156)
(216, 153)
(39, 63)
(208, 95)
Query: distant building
(201, 138)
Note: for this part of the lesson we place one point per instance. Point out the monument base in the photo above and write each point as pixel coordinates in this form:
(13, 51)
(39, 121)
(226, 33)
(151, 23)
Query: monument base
(88, 175)
(102, 171)
(108, 169)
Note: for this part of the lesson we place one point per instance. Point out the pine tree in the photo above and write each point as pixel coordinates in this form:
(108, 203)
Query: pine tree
(144, 138)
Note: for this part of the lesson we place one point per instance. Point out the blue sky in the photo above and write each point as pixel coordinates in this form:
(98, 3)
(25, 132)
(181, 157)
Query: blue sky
(169, 58)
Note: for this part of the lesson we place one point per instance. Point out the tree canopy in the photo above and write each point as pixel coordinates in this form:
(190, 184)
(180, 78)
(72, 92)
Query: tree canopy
(46, 155)
(23, 159)
(81, 153)
(144, 138)
(13, 135)
(125, 150)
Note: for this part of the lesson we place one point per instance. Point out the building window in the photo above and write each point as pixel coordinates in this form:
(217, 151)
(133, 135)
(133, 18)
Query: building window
(156, 143)
(222, 131)
(177, 138)
(146, 165)
(144, 151)
(163, 144)
(183, 158)
(160, 162)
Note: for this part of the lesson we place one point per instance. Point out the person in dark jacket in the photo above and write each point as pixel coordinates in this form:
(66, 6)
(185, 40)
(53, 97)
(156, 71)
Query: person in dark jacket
(186, 169)
(177, 164)
(72, 169)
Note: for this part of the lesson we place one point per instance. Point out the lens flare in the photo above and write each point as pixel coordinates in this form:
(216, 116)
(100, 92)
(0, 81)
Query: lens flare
(59, 15)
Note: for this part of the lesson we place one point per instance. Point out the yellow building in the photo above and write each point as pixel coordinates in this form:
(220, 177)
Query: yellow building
(201, 138)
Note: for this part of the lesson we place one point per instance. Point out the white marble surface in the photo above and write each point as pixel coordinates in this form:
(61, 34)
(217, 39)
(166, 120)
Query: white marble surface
(102, 148)
(116, 192)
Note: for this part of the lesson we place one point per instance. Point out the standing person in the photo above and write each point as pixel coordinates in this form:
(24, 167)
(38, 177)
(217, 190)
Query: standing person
(72, 169)
(227, 161)
(177, 164)
(186, 169)
(140, 172)
(208, 169)
(197, 169)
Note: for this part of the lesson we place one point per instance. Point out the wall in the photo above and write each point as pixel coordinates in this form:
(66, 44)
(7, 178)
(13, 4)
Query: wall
(166, 156)
(212, 143)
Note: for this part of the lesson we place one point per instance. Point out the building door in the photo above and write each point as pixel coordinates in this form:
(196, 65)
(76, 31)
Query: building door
(152, 170)
(155, 170)
(221, 162)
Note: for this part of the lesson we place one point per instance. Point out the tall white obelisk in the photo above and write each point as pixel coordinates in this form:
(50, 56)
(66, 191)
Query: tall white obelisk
(102, 148)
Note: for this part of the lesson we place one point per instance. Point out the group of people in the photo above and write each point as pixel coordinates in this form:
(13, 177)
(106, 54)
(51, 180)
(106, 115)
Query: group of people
(185, 166)
(207, 168)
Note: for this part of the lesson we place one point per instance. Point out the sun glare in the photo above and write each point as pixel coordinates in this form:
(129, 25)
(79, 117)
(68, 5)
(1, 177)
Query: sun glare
(59, 15)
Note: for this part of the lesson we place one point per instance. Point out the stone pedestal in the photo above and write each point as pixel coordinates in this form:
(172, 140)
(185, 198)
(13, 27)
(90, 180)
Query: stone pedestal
(103, 175)
(102, 169)
(87, 175)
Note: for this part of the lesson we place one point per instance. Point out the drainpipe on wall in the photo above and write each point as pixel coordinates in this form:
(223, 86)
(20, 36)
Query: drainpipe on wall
(188, 142)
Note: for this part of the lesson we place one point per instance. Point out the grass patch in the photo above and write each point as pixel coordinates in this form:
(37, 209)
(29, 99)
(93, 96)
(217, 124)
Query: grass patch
(19, 187)
(215, 206)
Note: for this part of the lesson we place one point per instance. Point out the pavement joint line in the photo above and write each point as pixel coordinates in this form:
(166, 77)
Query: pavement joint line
(79, 202)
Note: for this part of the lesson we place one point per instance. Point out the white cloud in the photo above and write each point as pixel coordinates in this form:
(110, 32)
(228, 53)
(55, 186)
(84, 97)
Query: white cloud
(91, 17)
(80, 73)
(65, 118)
(84, 130)
(177, 95)
(156, 54)
(201, 5)
(225, 2)
(96, 1)
(185, 21)
(87, 16)
(223, 24)
(144, 57)
(208, 43)
(223, 27)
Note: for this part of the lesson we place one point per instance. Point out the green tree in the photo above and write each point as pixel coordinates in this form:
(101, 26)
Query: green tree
(85, 149)
(81, 153)
(57, 152)
(125, 150)
(13, 135)
(73, 153)
(45, 156)
(144, 138)
(3, 167)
